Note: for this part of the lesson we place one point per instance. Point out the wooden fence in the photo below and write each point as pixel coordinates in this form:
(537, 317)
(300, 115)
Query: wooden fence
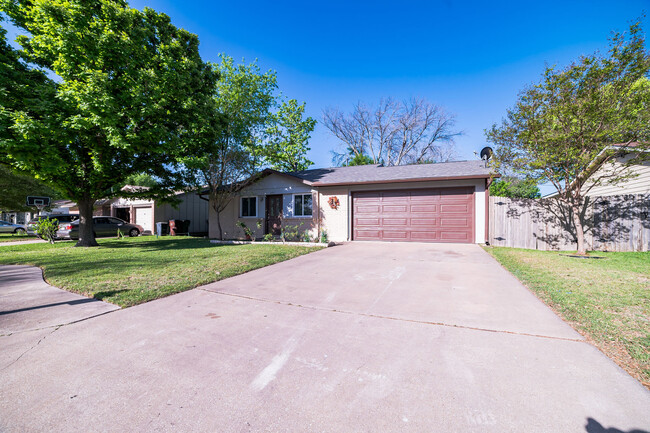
(616, 223)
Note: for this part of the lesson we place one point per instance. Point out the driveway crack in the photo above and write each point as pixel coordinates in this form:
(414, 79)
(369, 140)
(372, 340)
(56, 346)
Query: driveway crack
(398, 319)
(31, 348)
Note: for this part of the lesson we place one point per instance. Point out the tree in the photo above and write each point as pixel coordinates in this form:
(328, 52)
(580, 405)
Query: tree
(565, 128)
(394, 133)
(244, 133)
(128, 86)
(16, 187)
(288, 137)
(141, 179)
(514, 188)
(234, 130)
(358, 159)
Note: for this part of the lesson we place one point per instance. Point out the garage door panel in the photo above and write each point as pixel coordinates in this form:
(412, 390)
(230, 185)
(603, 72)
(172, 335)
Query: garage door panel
(427, 222)
(395, 221)
(461, 208)
(368, 221)
(424, 208)
(395, 235)
(418, 215)
(454, 222)
(369, 234)
(454, 236)
(367, 209)
(424, 236)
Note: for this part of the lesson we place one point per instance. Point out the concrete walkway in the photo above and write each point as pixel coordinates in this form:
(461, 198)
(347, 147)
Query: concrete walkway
(362, 337)
(27, 303)
(12, 243)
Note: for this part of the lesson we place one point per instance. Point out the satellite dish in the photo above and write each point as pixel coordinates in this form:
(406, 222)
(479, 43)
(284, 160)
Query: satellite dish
(486, 153)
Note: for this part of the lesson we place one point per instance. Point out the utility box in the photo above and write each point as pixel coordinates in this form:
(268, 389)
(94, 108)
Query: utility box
(162, 228)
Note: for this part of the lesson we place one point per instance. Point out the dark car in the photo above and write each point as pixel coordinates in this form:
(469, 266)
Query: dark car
(103, 227)
(62, 219)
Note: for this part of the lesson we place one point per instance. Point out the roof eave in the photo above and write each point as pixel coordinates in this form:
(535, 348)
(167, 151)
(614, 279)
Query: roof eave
(419, 179)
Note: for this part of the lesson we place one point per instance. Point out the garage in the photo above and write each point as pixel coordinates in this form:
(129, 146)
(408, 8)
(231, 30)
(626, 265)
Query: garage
(414, 215)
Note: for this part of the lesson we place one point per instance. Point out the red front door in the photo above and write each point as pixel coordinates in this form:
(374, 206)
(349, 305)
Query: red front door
(273, 214)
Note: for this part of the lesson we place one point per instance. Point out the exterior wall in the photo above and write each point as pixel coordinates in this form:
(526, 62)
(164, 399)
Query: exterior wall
(192, 207)
(17, 217)
(338, 223)
(270, 185)
(639, 184)
(132, 204)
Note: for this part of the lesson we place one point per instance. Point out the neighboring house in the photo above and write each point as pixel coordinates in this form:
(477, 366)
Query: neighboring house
(638, 183)
(444, 202)
(16, 217)
(145, 212)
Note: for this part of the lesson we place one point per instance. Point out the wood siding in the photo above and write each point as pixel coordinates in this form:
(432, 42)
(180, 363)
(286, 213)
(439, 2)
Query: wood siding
(613, 223)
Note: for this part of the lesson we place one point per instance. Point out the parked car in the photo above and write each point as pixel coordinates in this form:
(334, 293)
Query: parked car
(103, 226)
(62, 219)
(7, 227)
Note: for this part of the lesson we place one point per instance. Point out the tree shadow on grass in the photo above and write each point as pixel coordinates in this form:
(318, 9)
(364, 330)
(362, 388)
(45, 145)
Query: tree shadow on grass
(162, 244)
(594, 426)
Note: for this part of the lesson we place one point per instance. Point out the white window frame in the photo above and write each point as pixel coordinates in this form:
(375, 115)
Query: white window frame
(293, 204)
(241, 207)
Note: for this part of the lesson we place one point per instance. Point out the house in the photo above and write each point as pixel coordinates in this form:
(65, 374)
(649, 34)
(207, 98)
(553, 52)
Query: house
(637, 183)
(146, 212)
(444, 202)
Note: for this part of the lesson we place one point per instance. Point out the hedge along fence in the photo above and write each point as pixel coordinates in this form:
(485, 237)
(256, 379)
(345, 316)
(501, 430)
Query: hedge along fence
(615, 223)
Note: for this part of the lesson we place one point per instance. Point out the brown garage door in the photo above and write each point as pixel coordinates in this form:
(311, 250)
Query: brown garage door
(416, 215)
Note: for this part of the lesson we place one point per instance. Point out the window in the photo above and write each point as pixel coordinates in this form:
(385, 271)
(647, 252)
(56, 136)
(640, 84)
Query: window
(248, 207)
(302, 205)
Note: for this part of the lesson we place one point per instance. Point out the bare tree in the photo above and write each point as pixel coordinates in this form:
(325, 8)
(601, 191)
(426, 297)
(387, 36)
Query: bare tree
(394, 133)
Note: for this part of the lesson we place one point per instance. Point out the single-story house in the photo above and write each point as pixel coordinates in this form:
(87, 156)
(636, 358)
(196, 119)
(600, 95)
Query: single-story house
(443, 202)
(146, 212)
(637, 183)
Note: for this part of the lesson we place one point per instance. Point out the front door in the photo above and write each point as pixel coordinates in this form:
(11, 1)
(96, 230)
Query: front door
(273, 214)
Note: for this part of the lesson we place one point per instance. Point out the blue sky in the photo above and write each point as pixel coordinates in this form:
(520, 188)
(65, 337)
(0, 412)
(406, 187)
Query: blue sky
(470, 57)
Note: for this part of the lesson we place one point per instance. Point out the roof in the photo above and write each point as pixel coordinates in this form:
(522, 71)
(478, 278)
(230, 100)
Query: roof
(362, 174)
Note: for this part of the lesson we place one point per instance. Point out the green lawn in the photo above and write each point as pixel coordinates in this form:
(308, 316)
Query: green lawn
(10, 237)
(607, 300)
(134, 270)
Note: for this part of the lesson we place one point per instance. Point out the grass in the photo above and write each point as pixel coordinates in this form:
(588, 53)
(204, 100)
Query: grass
(10, 237)
(606, 300)
(131, 271)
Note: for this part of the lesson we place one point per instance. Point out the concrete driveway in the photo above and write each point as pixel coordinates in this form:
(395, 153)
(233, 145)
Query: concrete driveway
(362, 337)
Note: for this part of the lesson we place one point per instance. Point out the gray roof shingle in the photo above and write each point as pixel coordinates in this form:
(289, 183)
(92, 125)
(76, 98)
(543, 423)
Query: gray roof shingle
(378, 174)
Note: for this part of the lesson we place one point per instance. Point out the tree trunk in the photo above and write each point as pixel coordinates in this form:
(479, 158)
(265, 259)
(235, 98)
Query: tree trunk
(86, 229)
(580, 231)
(219, 225)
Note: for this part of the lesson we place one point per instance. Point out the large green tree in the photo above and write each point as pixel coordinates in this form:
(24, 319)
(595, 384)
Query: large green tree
(16, 187)
(248, 129)
(232, 132)
(128, 85)
(563, 129)
(288, 138)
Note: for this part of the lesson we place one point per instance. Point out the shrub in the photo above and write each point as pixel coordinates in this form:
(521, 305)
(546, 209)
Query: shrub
(248, 232)
(46, 228)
